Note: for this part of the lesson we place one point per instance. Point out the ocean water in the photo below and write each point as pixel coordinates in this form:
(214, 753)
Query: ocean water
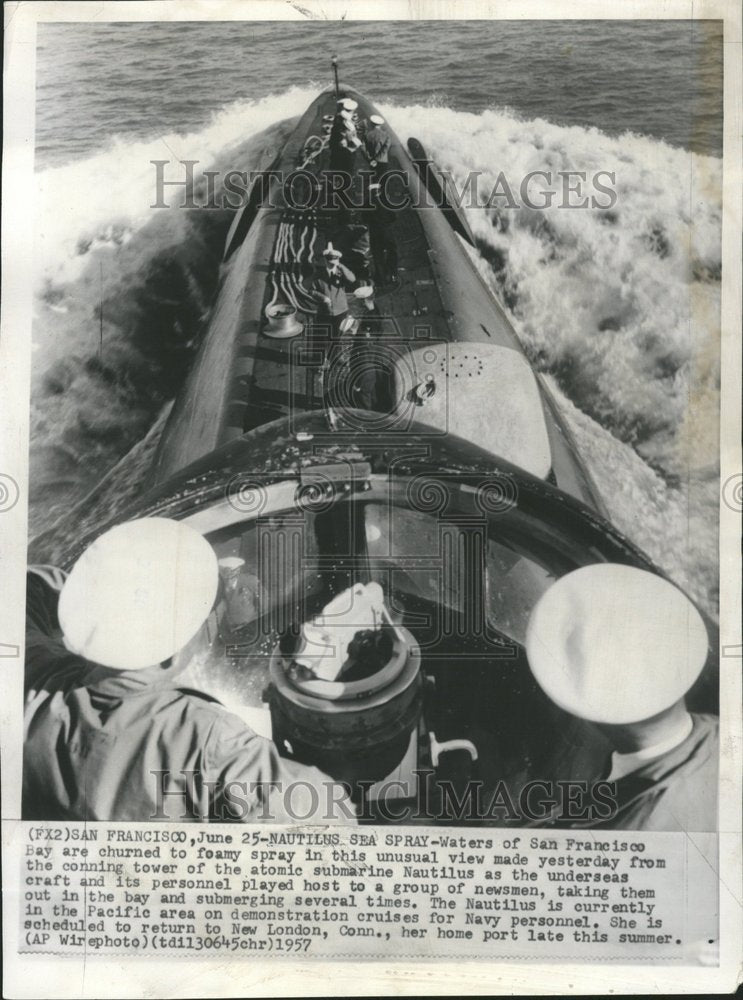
(659, 78)
(619, 309)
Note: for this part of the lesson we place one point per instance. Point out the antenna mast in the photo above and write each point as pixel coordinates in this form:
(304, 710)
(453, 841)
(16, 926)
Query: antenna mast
(334, 64)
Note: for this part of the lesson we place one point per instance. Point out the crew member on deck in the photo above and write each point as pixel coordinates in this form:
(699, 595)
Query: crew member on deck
(621, 647)
(344, 140)
(329, 289)
(348, 107)
(357, 241)
(109, 734)
(377, 143)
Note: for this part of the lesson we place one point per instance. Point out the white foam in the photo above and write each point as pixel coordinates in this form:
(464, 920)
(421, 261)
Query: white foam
(622, 308)
(79, 203)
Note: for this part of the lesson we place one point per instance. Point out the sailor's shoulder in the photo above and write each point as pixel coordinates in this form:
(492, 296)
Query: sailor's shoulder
(208, 712)
(202, 710)
(200, 698)
(52, 675)
(191, 717)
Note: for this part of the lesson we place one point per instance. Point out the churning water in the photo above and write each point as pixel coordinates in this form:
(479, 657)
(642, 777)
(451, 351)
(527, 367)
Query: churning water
(619, 308)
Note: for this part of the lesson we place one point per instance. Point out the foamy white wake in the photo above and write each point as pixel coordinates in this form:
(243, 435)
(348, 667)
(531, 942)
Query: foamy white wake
(90, 203)
(620, 307)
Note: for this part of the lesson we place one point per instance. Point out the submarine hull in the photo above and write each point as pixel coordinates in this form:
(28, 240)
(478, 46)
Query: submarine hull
(243, 378)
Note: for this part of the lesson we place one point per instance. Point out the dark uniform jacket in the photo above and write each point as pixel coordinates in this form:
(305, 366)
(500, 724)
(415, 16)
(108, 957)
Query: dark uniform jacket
(674, 792)
(104, 744)
(341, 157)
(334, 287)
(677, 791)
(377, 142)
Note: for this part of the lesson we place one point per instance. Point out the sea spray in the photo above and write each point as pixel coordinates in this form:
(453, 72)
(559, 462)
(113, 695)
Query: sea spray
(622, 305)
(676, 525)
(619, 307)
(76, 204)
(121, 305)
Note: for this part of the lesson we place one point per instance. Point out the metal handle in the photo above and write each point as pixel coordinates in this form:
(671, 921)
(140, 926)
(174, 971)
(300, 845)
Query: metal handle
(437, 749)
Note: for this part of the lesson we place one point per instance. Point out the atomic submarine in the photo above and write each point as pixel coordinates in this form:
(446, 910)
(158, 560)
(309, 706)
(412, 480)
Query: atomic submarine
(387, 500)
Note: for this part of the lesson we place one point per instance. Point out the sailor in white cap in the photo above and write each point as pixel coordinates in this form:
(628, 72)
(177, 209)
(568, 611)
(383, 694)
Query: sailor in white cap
(109, 735)
(620, 648)
(344, 140)
(329, 289)
(377, 143)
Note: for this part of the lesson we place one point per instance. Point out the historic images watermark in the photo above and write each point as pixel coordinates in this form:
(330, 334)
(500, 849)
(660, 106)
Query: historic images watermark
(188, 796)
(302, 190)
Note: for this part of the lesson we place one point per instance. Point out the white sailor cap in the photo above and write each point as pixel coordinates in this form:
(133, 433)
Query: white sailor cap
(348, 103)
(330, 251)
(376, 119)
(139, 593)
(615, 644)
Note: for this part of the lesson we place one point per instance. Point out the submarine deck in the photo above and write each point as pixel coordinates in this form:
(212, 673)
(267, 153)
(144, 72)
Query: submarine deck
(407, 303)
(431, 293)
